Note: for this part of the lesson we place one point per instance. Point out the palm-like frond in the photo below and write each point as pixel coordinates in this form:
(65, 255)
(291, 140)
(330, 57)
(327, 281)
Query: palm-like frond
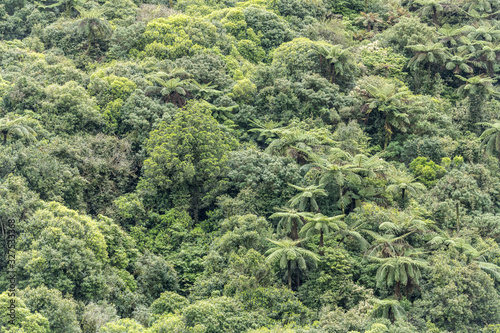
(92, 23)
(386, 308)
(288, 219)
(477, 85)
(430, 53)
(288, 254)
(491, 269)
(319, 222)
(265, 129)
(306, 196)
(490, 139)
(12, 123)
(387, 244)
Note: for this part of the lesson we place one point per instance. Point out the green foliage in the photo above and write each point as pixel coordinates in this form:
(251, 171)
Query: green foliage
(491, 139)
(183, 147)
(427, 172)
(110, 88)
(332, 284)
(58, 170)
(383, 61)
(408, 31)
(290, 256)
(247, 231)
(68, 109)
(221, 314)
(279, 304)
(24, 320)
(403, 185)
(301, 8)
(96, 315)
(178, 36)
(195, 169)
(125, 325)
(92, 24)
(390, 101)
(461, 187)
(265, 175)
(274, 29)
(168, 302)
(61, 312)
(401, 271)
(138, 116)
(154, 276)
(351, 138)
(297, 57)
(347, 8)
(468, 303)
(339, 61)
(63, 250)
(311, 97)
(15, 125)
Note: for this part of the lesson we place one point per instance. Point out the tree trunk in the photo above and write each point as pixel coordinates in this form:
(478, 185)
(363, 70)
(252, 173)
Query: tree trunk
(195, 203)
(294, 234)
(3, 229)
(458, 219)
(387, 133)
(290, 275)
(398, 290)
(341, 200)
(435, 17)
(321, 242)
(409, 287)
(490, 70)
(403, 190)
(4, 138)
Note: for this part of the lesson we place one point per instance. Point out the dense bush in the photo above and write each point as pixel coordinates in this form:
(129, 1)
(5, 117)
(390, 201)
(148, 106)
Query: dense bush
(293, 166)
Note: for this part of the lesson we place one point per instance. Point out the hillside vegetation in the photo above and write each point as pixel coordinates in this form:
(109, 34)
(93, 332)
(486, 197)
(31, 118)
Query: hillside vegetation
(280, 166)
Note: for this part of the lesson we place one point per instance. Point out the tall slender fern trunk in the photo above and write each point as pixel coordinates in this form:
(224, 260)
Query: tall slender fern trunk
(290, 275)
(398, 290)
(321, 242)
(294, 234)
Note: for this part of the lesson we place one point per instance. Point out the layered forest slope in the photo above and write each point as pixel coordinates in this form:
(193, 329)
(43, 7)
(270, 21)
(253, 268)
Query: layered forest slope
(307, 166)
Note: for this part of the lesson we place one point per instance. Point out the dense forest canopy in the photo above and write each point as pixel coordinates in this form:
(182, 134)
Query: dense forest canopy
(206, 166)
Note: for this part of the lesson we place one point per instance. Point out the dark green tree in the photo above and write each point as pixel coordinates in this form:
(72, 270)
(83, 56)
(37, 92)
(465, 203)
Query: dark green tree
(290, 222)
(93, 25)
(339, 60)
(290, 255)
(479, 89)
(322, 225)
(403, 184)
(187, 163)
(400, 271)
(307, 197)
(433, 7)
(491, 139)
